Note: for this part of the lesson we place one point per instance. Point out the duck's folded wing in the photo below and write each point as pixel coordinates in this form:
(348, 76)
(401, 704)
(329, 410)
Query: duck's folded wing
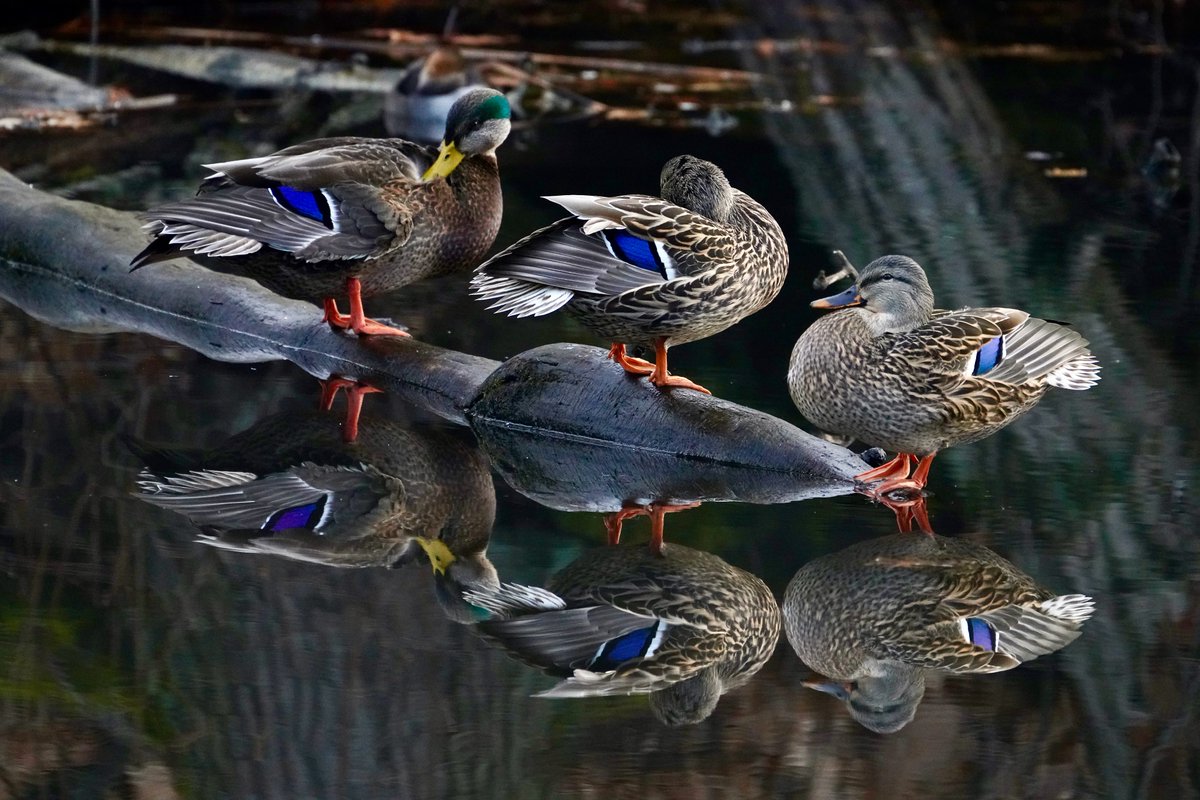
(652, 218)
(562, 256)
(330, 199)
(308, 497)
(327, 162)
(562, 640)
(684, 653)
(348, 222)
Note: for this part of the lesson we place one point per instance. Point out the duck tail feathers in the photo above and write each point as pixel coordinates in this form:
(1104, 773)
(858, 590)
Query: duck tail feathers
(510, 598)
(1049, 352)
(1027, 632)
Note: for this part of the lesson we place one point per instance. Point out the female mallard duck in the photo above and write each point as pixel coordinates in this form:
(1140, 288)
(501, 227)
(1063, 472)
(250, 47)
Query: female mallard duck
(647, 271)
(683, 626)
(291, 486)
(891, 371)
(875, 616)
(363, 215)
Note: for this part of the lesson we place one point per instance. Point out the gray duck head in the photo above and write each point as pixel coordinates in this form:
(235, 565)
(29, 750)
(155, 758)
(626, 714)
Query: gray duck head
(477, 124)
(892, 294)
(883, 704)
(687, 702)
(697, 185)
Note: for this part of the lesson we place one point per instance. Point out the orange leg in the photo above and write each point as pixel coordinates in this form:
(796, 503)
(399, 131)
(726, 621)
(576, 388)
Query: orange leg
(354, 400)
(357, 319)
(661, 378)
(634, 366)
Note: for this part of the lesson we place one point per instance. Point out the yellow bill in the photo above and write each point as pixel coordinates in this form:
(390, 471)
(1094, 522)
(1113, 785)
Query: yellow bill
(447, 160)
(439, 555)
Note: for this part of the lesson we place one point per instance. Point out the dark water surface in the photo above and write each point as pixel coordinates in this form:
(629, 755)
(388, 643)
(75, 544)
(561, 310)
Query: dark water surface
(138, 661)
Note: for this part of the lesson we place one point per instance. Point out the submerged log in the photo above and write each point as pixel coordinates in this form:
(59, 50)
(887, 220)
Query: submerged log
(66, 263)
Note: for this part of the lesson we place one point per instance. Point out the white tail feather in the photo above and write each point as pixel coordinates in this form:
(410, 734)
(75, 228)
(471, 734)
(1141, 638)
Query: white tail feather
(511, 597)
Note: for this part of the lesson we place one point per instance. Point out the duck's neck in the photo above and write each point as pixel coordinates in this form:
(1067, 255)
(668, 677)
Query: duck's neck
(878, 323)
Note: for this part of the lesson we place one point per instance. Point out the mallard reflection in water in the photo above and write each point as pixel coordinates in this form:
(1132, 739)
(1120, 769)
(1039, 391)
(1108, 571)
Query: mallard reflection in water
(682, 626)
(291, 487)
(363, 216)
(875, 616)
(892, 371)
(639, 270)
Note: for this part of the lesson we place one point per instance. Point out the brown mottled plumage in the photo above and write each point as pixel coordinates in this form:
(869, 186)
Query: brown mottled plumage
(891, 371)
(701, 627)
(359, 215)
(714, 256)
(291, 486)
(875, 616)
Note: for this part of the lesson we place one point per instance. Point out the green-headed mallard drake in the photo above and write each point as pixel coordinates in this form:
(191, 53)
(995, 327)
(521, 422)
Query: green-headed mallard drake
(290, 486)
(891, 371)
(684, 627)
(417, 106)
(875, 616)
(640, 270)
(363, 216)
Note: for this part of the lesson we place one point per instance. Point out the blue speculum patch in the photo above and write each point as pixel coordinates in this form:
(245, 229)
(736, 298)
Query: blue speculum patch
(636, 251)
(988, 356)
(305, 516)
(982, 634)
(305, 203)
(623, 648)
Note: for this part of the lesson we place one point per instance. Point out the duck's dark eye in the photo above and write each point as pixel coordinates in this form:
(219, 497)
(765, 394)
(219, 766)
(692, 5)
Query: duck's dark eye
(887, 276)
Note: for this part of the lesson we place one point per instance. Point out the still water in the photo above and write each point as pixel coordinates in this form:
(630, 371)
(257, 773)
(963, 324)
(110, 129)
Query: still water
(148, 651)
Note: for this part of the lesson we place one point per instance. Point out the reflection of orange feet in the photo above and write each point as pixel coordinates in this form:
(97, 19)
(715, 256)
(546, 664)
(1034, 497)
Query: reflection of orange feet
(907, 502)
(614, 521)
(357, 320)
(354, 400)
(634, 366)
(656, 512)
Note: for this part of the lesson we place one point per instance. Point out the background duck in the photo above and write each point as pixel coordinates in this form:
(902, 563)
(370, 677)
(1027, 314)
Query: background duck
(359, 215)
(875, 616)
(683, 626)
(290, 486)
(893, 372)
(640, 270)
(417, 106)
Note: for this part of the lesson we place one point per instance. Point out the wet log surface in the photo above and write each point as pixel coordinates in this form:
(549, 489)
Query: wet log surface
(65, 263)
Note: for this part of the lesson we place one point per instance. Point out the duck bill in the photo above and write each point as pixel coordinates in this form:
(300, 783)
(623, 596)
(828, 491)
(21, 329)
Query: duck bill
(838, 689)
(447, 159)
(845, 299)
(440, 556)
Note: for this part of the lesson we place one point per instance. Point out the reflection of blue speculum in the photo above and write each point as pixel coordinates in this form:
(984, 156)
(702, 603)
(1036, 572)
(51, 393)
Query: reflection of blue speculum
(682, 626)
(873, 618)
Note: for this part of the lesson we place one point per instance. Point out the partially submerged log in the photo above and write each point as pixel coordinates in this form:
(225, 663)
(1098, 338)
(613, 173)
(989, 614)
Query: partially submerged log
(66, 263)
